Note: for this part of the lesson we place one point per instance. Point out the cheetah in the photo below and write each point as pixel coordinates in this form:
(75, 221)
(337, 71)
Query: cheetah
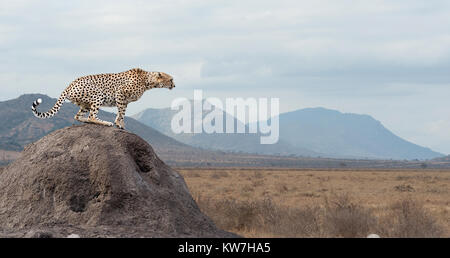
(107, 90)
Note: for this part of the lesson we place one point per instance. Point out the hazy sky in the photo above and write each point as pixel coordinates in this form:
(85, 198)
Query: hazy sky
(388, 59)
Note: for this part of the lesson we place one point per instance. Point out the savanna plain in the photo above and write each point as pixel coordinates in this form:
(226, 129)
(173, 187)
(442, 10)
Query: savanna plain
(258, 202)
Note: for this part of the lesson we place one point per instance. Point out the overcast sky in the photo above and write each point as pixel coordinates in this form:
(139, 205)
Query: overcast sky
(388, 59)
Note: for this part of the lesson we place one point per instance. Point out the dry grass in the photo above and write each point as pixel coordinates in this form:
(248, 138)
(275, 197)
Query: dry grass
(339, 217)
(345, 218)
(409, 218)
(260, 217)
(276, 203)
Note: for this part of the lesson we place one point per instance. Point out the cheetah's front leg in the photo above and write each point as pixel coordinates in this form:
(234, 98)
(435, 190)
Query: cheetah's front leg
(121, 107)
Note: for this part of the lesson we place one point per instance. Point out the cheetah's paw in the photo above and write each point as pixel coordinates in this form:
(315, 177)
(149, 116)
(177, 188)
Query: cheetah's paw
(120, 124)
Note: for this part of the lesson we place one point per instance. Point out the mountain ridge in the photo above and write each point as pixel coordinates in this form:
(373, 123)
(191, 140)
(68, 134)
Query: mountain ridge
(160, 119)
(23, 128)
(352, 133)
(313, 132)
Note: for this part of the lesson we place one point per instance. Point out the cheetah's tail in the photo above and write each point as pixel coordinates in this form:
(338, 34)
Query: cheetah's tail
(52, 111)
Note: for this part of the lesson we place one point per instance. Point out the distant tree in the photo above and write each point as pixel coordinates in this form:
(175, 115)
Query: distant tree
(423, 165)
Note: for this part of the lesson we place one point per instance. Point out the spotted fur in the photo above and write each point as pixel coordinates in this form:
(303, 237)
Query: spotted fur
(107, 90)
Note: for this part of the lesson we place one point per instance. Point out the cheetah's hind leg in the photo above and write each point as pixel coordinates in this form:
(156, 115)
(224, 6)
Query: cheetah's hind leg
(94, 119)
(80, 115)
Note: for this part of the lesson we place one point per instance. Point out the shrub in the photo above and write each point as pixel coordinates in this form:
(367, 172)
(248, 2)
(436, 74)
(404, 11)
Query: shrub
(408, 218)
(339, 216)
(262, 216)
(345, 218)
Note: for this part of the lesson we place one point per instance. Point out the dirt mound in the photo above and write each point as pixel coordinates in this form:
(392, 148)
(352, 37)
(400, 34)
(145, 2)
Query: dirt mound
(97, 181)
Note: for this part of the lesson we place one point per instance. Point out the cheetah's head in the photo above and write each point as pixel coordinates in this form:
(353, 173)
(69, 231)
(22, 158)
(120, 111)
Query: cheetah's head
(161, 80)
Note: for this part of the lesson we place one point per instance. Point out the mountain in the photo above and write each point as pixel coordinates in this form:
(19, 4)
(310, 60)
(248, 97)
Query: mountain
(160, 119)
(19, 127)
(307, 132)
(347, 135)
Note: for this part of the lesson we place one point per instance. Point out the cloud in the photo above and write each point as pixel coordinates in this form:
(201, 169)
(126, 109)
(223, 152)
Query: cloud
(373, 41)
(339, 54)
